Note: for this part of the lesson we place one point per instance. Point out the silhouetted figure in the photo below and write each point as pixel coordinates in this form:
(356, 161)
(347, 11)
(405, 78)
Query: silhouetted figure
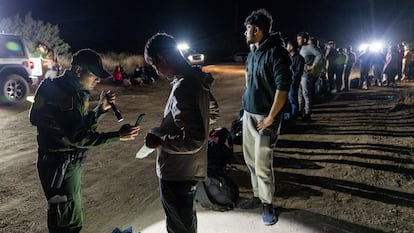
(330, 56)
(339, 71)
(349, 63)
(365, 65)
(298, 63)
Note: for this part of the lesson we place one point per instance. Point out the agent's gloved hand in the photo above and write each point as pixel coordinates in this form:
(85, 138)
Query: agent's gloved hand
(128, 132)
(152, 140)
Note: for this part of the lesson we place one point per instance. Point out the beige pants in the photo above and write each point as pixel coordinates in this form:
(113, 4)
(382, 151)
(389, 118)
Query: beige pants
(258, 155)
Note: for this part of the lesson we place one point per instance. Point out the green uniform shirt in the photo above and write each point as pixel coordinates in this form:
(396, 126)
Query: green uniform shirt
(64, 123)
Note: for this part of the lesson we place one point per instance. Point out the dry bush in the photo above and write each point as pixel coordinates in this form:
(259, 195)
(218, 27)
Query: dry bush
(64, 62)
(128, 61)
(110, 60)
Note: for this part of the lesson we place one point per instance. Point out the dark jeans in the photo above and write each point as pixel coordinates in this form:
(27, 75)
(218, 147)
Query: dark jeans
(338, 78)
(391, 73)
(177, 198)
(364, 75)
(293, 98)
(331, 78)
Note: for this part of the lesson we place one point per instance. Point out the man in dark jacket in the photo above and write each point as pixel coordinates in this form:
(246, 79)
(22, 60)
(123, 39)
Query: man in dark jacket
(298, 63)
(349, 63)
(66, 129)
(181, 138)
(330, 55)
(268, 80)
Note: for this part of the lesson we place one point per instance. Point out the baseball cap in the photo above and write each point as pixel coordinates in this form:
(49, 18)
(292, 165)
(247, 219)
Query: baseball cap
(90, 60)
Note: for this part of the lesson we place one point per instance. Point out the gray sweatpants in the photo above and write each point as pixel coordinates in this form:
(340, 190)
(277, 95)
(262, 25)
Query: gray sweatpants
(258, 155)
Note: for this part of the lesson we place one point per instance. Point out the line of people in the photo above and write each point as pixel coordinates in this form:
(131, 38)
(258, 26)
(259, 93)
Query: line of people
(332, 67)
(387, 67)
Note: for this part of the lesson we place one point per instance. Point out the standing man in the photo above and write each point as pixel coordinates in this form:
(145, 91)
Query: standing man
(312, 58)
(406, 62)
(365, 61)
(268, 79)
(66, 129)
(330, 56)
(349, 63)
(339, 70)
(181, 139)
(297, 68)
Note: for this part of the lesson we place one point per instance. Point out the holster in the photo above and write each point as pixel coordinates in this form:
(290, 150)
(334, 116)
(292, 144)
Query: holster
(57, 164)
(59, 174)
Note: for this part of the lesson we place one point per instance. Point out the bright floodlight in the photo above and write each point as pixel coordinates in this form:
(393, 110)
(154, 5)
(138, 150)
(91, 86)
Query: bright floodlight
(183, 46)
(376, 47)
(363, 47)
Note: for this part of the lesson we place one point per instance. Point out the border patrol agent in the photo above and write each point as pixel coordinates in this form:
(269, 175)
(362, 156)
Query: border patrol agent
(66, 129)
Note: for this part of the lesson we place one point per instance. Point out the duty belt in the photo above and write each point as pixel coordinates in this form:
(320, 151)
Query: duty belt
(72, 157)
(76, 157)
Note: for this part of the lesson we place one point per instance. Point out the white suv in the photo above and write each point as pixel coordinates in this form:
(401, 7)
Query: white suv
(15, 70)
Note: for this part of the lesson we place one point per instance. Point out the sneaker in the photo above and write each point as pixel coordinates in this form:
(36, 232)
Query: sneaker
(251, 203)
(269, 217)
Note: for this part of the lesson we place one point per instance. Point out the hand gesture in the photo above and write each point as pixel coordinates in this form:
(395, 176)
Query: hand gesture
(262, 125)
(128, 132)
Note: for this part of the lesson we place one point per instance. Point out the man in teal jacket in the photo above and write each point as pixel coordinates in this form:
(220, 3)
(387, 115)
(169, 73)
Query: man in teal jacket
(66, 129)
(268, 80)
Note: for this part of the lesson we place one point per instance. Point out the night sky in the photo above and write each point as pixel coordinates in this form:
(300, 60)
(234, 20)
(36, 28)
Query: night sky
(215, 25)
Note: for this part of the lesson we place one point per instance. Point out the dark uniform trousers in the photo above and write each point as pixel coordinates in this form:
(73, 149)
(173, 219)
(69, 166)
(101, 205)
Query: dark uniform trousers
(65, 208)
(177, 198)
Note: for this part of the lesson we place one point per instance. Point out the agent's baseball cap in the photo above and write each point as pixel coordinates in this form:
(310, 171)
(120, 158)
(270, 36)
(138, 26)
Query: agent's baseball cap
(91, 60)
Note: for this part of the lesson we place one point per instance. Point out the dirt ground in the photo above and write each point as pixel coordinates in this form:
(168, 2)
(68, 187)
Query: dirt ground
(353, 162)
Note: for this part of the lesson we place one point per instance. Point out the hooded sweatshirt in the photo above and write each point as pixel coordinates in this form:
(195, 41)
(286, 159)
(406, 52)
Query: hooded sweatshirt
(267, 70)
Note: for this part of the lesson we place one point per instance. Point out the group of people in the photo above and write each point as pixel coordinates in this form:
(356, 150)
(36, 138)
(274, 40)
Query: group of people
(66, 128)
(333, 65)
(141, 75)
(394, 64)
(146, 74)
(120, 77)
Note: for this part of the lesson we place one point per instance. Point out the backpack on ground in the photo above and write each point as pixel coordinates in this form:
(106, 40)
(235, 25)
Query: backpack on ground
(218, 191)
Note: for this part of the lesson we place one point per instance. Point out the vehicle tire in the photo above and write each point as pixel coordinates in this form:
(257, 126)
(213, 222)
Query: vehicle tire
(13, 90)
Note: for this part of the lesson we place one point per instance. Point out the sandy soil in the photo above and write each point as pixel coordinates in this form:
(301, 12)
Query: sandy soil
(353, 164)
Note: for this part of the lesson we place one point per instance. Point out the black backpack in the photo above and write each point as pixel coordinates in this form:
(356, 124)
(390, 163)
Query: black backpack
(220, 151)
(218, 191)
